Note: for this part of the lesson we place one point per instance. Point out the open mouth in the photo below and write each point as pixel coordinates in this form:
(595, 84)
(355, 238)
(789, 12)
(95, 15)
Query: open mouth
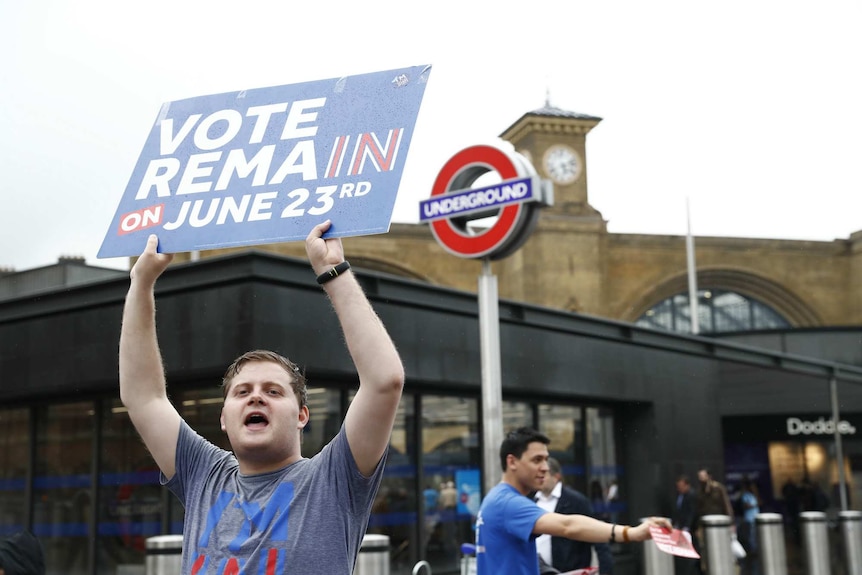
(256, 421)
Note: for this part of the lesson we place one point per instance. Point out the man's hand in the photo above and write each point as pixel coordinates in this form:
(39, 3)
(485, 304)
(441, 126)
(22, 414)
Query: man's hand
(323, 253)
(150, 264)
(642, 533)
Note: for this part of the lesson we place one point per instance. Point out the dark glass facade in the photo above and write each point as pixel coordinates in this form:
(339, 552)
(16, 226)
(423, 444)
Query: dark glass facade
(426, 504)
(627, 408)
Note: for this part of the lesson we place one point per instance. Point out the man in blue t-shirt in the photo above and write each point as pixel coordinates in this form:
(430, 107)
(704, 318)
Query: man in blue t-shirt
(509, 521)
(262, 508)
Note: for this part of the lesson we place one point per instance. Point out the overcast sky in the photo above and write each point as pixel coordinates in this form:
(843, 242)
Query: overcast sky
(749, 108)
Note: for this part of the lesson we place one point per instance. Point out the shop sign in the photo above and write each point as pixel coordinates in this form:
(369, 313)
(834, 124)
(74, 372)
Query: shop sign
(822, 426)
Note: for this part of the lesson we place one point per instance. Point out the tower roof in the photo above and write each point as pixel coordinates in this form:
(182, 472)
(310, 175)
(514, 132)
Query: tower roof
(553, 111)
(550, 117)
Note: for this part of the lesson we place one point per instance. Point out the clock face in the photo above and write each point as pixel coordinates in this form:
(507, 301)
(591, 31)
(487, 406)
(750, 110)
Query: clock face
(562, 164)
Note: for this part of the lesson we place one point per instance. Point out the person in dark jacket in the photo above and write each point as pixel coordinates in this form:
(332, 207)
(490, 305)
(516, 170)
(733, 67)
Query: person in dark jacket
(684, 518)
(21, 554)
(567, 554)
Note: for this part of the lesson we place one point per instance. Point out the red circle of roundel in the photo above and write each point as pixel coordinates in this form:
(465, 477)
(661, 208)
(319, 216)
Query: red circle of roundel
(486, 242)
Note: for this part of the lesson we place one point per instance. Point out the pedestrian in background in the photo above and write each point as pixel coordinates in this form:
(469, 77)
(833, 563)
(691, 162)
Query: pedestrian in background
(749, 501)
(565, 554)
(712, 499)
(21, 554)
(684, 518)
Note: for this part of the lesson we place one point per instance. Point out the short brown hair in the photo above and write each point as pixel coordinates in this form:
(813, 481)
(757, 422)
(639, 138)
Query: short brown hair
(297, 379)
(516, 443)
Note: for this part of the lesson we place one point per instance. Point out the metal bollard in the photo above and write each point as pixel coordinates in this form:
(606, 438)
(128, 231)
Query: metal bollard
(770, 541)
(656, 562)
(164, 555)
(373, 556)
(719, 555)
(815, 542)
(468, 559)
(851, 529)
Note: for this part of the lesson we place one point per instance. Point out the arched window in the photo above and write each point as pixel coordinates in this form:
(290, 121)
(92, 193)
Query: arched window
(717, 311)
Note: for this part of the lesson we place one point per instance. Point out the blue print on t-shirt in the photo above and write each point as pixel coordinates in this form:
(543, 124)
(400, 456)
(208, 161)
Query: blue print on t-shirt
(272, 518)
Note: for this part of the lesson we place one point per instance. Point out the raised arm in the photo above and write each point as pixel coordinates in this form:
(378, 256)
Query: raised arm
(589, 530)
(142, 377)
(371, 414)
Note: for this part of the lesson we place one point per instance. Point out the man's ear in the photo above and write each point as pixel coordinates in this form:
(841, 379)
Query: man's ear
(221, 423)
(304, 416)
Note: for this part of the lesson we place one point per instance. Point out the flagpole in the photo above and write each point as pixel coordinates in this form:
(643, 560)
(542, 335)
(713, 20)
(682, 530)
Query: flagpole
(692, 273)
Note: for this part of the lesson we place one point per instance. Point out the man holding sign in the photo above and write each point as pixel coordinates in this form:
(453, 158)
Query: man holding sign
(263, 508)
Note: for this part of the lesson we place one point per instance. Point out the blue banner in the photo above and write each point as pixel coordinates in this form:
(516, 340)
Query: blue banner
(469, 491)
(266, 165)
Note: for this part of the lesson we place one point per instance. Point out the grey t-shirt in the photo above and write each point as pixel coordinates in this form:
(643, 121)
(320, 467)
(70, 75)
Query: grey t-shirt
(306, 519)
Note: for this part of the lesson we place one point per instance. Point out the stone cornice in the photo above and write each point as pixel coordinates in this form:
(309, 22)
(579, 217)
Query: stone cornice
(547, 125)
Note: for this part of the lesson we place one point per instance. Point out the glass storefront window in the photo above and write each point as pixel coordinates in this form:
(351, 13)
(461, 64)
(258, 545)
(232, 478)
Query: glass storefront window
(14, 461)
(516, 414)
(583, 441)
(603, 473)
(806, 475)
(201, 409)
(130, 497)
(563, 424)
(394, 510)
(61, 487)
(451, 471)
(324, 407)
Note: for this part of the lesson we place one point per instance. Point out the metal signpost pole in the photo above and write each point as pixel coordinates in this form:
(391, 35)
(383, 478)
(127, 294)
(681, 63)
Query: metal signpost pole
(839, 451)
(492, 394)
(515, 201)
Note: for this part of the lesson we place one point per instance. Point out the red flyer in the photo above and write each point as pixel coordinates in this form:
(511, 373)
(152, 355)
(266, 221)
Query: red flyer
(675, 542)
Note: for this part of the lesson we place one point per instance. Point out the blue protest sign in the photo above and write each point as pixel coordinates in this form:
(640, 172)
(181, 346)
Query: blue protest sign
(266, 165)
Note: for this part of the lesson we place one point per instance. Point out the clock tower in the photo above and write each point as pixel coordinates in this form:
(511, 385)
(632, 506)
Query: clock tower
(564, 257)
(554, 141)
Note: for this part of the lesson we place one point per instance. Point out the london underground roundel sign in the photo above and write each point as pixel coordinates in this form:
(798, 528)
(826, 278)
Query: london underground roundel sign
(515, 201)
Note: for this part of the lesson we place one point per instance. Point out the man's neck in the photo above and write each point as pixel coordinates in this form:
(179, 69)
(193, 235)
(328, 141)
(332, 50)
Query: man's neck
(509, 480)
(254, 466)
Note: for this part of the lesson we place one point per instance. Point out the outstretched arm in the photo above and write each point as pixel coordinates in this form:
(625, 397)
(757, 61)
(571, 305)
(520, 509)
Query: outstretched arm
(142, 377)
(585, 528)
(371, 414)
